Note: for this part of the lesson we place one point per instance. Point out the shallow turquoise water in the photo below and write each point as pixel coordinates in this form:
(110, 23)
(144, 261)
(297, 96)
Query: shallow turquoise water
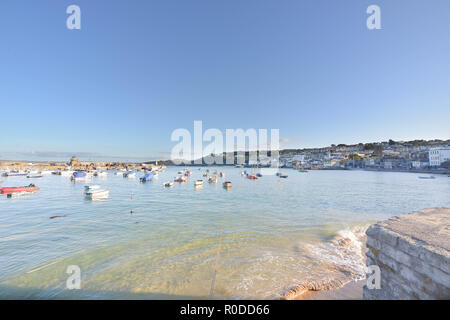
(276, 232)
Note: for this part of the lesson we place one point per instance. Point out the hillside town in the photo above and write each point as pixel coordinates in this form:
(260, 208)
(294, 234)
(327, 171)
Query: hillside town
(415, 155)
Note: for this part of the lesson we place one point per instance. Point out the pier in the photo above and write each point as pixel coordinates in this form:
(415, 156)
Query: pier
(413, 254)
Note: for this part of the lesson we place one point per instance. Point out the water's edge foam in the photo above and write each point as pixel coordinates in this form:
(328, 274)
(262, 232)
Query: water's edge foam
(342, 260)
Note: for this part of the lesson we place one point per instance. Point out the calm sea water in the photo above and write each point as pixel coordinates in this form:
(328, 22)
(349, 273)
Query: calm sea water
(276, 232)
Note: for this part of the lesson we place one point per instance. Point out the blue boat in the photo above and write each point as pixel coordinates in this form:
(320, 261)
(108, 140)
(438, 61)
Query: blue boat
(147, 177)
(79, 175)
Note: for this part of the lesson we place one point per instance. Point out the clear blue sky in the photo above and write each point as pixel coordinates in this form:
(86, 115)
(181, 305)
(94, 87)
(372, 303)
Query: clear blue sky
(137, 70)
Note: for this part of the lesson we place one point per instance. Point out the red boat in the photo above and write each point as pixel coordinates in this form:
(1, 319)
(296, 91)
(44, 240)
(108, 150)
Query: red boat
(29, 188)
(252, 177)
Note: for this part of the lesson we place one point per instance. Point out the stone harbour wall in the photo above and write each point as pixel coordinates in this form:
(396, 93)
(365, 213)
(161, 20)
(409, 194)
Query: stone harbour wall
(413, 254)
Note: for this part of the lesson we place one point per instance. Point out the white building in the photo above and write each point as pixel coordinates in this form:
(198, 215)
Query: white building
(419, 164)
(438, 156)
(299, 157)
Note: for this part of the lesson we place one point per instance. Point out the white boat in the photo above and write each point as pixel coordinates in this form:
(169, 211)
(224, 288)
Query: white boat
(129, 174)
(227, 185)
(119, 173)
(46, 172)
(67, 173)
(198, 182)
(79, 176)
(168, 184)
(213, 179)
(34, 176)
(97, 194)
(20, 194)
(100, 174)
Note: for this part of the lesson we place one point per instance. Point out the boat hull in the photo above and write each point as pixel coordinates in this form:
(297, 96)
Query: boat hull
(18, 189)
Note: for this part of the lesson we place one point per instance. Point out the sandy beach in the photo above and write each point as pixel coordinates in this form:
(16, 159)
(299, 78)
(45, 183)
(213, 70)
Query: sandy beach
(351, 291)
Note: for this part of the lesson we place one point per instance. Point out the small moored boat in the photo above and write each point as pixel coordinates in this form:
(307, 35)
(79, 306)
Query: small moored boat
(252, 177)
(427, 177)
(180, 179)
(129, 174)
(20, 194)
(213, 179)
(14, 174)
(96, 194)
(66, 173)
(79, 175)
(147, 177)
(28, 188)
(198, 182)
(227, 185)
(168, 184)
(34, 176)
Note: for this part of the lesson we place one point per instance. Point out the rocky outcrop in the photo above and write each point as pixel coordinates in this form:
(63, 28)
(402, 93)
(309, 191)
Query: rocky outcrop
(413, 254)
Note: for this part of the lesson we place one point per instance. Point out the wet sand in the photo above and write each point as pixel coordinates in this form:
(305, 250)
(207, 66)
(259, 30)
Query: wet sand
(351, 291)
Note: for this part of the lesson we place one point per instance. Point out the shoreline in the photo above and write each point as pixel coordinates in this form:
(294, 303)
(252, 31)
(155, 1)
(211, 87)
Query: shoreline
(350, 291)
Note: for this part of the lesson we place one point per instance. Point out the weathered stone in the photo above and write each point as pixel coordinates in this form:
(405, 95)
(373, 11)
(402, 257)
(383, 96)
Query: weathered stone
(413, 253)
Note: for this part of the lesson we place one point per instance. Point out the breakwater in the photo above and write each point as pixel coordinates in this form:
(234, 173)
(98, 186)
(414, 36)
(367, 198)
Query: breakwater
(412, 252)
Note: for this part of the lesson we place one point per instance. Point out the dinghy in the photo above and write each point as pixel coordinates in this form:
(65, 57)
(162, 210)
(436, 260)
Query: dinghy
(227, 185)
(147, 177)
(129, 174)
(198, 183)
(34, 176)
(213, 179)
(180, 179)
(66, 173)
(28, 188)
(79, 175)
(20, 194)
(97, 194)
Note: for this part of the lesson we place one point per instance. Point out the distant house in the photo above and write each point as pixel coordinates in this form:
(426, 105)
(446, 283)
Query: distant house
(438, 156)
(419, 164)
(388, 165)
